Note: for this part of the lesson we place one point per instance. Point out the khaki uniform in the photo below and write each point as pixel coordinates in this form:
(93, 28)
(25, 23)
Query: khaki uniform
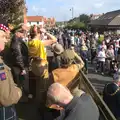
(65, 75)
(9, 92)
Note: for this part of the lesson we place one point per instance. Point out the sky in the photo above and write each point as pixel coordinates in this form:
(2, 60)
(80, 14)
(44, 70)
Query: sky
(60, 9)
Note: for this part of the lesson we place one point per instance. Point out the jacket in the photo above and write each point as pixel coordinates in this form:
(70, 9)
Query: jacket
(19, 52)
(111, 96)
(9, 92)
(81, 108)
(59, 75)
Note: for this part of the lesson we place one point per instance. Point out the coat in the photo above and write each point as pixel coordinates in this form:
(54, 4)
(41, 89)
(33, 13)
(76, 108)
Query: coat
(9, 92)
(19, 51)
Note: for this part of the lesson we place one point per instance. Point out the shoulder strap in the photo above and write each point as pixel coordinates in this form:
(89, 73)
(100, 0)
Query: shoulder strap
(112, 93)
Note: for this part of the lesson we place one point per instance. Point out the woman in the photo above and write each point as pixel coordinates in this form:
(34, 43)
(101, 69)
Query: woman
(39, 58)
(37, 47)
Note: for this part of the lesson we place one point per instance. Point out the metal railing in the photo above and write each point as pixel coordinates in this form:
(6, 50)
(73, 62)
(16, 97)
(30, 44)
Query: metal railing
(85, 85)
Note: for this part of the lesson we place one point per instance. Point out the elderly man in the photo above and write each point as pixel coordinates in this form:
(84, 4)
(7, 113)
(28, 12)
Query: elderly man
(75, 108)
(71, 64)
(111, 96)
(9, 92)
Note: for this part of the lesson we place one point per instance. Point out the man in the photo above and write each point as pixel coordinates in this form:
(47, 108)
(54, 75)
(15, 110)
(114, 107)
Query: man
(111, 96)
(84, 55)
(20, 64)
(9, 92)
(73, 108)
(71, 64)
(58, 50)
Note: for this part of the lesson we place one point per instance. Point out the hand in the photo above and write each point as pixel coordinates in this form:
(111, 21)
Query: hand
(43, 30)
(56, 107)
(23, 72)
(25, 27)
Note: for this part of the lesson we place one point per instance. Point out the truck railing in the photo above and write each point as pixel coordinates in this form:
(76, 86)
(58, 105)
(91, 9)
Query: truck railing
(85, 85)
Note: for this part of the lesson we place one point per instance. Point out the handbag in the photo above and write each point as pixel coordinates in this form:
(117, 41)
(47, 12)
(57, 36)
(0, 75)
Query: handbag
(38, 66)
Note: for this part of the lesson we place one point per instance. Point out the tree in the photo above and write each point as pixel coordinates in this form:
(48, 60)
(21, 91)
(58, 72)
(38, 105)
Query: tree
(12, 11)
(77, 25)
(84, 18)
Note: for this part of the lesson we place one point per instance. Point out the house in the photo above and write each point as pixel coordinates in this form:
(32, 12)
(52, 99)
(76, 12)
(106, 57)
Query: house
(35, 20)
(94, 17)
(40, 20)
(110, 20)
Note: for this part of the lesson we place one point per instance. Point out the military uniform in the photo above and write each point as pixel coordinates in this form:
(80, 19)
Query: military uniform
(9, 93)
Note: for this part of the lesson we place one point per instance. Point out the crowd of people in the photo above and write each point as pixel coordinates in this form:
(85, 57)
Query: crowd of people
(28, 52)
(102, 49)
(23, 53)
(103, 52)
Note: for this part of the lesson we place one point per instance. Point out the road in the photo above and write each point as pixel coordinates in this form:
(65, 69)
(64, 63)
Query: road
(30, 111)
(97, 79)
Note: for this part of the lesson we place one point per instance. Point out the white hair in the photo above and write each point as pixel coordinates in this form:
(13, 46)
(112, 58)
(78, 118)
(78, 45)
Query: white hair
(57, 93)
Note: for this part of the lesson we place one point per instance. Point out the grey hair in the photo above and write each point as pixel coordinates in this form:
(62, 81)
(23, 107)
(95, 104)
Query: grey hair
(60, 96)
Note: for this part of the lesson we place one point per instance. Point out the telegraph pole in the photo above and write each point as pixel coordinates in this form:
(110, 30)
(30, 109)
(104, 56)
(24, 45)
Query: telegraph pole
(72, 10)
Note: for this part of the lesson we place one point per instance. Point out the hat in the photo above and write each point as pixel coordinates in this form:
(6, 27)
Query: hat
(57, 48)
(4, 25)
(67, 57)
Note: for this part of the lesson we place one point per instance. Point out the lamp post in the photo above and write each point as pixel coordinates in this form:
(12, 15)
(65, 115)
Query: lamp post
(72, 10)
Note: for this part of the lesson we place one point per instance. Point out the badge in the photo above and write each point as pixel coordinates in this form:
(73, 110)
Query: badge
(1, 66)
(2, 76)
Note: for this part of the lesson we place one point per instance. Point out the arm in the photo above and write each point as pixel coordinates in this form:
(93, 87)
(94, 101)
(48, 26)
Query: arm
(16, 52)
(9, 92)
(51, 40)
(81, 63)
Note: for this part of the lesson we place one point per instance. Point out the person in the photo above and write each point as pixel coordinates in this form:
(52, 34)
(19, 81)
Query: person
(93, 45)
(58, 50)
(84, 55)
(101, 60)
(111, 95)
(20, 62)
(71, 64)
(39, 62)
(37, 47)
(9, 92)
(72, 108)
(110, 57)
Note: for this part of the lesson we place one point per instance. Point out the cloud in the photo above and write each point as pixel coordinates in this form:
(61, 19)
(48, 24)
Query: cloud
(60, 9)
(35, 9)
(98, 5)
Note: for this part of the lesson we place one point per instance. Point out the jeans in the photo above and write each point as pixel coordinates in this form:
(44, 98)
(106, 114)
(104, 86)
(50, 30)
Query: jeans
(21, 81)
(86, 64)
(101, 65)
(8, 113)
(93, 54)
